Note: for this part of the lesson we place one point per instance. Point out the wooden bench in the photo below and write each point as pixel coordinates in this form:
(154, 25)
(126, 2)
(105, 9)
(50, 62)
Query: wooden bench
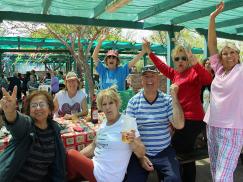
(196, 155)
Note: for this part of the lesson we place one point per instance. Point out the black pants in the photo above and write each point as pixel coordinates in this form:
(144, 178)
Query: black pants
(183, 141)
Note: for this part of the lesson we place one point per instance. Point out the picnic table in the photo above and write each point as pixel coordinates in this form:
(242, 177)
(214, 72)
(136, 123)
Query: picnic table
(76, 134)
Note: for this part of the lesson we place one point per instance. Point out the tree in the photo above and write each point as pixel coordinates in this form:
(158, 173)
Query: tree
(71, 37)
(185, 37)
(158, 37)
(68, 35)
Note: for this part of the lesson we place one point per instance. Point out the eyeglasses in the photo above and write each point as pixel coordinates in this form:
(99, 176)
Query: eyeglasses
(183, 58)
(41, 105)
(113, 57)
(149, 68)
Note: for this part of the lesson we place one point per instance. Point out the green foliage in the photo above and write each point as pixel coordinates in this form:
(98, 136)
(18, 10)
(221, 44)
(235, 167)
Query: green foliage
(190, 37)
(158, 37)
(65, 30)
(185, 37)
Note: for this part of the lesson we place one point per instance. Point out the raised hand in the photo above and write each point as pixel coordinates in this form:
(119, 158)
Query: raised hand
(218, 10)
(146, 46)
(104, 35)
(191, 57)
(8, 101)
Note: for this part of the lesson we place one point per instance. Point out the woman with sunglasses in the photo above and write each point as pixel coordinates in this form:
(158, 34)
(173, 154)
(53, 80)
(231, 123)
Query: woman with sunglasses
(35, 151)
(224, 116)
(190, 76)
(111, 73)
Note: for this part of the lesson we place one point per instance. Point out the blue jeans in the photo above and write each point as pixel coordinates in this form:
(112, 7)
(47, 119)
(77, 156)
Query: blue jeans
(164, 162)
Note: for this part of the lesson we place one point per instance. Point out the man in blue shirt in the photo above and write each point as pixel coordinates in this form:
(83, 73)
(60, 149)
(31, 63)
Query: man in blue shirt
(155, 112)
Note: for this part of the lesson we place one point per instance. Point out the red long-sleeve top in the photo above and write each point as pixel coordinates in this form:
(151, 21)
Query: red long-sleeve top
(190, 83)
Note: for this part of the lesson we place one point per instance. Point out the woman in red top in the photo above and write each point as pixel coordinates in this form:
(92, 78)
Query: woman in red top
(190, 76)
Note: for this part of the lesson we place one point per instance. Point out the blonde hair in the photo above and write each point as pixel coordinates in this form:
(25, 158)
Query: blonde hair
(231, 45)
(177, 50)
(110, 93)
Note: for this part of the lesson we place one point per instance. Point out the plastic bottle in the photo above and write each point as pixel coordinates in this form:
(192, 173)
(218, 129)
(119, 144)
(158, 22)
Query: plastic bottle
(94, 111)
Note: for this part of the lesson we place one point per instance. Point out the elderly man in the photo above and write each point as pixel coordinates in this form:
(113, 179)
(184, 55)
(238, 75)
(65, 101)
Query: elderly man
(155, 112)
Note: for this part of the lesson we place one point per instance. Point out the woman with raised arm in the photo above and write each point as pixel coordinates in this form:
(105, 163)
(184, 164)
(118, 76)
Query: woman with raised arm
(190, 76)
(111, 73)
(35, 151)
(224, 116)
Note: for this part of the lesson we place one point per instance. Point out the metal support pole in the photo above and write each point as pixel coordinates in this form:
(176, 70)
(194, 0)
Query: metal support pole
(205, 50)
(1, 64)
(145, 61)
(170, 47)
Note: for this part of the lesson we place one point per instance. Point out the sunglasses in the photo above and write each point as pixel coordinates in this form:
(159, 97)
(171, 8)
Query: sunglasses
(113, 57)
(183, 58)
(149, 68)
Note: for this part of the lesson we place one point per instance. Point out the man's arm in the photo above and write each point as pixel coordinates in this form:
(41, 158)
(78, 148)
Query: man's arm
(178, 115)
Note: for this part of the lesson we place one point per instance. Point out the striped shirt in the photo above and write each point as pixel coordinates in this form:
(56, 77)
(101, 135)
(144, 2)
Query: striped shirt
(41, 156)
(153, 120)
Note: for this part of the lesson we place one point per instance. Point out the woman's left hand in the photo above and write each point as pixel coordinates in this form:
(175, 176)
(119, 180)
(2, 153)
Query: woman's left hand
(191, 57)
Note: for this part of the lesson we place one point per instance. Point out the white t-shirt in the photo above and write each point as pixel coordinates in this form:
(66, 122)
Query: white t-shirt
(67, 104)
(111, 155)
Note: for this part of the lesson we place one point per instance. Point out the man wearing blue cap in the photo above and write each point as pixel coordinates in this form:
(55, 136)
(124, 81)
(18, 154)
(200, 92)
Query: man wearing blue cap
(155, 112)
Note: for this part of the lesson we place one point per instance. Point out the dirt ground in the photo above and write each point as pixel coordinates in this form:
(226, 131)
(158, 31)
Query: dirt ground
(203, 172)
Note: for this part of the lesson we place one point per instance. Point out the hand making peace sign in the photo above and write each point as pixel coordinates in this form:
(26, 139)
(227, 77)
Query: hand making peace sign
(8, 101)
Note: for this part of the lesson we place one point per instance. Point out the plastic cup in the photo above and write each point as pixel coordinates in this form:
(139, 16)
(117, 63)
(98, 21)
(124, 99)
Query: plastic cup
(129, 124)
(74, 116)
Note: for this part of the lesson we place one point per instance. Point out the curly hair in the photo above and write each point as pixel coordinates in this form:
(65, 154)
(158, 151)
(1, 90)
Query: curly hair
(38, 93)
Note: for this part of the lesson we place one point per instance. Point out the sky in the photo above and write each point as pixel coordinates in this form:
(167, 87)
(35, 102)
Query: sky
(137, 35)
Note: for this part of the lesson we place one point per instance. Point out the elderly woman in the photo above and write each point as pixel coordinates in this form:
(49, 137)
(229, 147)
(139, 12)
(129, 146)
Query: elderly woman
(110, 155)
(112, 73)
(190, 76)
(224, 116)
(71, 101)
(36, 151)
